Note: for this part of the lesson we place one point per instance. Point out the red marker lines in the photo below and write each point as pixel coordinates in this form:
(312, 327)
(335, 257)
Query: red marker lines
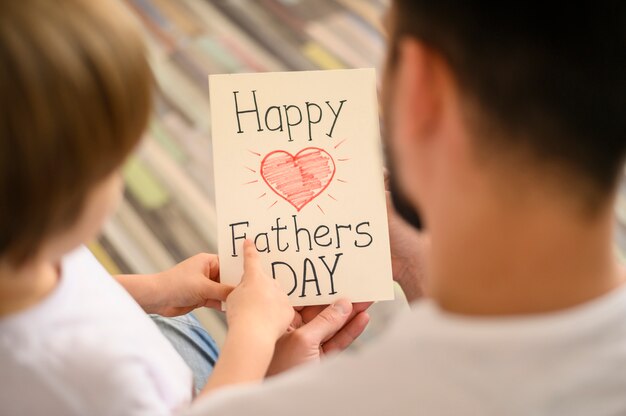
(299, 178)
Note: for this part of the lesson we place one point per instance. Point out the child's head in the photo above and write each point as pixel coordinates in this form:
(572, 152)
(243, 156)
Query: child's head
(75, 99)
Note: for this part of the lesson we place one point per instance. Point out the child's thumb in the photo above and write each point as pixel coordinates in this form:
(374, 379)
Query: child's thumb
(217, 291)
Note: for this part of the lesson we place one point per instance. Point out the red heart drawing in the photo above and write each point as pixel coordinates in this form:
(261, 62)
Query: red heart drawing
(298, 179)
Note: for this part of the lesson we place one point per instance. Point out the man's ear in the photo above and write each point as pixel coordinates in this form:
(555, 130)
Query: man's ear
(418, 93)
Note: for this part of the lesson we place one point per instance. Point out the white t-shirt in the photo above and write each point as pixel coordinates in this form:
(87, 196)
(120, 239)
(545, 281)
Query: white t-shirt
(434, 363)
(88, 349)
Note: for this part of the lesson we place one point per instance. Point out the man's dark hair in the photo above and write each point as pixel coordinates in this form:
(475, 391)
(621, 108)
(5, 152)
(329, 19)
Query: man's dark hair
(550, 77)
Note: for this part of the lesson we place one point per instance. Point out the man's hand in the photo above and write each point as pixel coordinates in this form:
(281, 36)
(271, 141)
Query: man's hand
(188, 285)
(319, 330)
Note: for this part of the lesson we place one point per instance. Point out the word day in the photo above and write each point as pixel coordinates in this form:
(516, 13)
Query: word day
(317, 272)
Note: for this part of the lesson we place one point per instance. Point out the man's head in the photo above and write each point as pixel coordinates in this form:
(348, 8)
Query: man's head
(481, 97)
(75, 100)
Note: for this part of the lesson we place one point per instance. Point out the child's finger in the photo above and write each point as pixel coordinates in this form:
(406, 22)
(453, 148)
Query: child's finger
(251, 260)
(218, 291)
(212, 268)
(214, 290)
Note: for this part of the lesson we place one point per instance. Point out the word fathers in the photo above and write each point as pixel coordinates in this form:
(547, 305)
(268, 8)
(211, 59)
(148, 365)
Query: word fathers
(317, 272)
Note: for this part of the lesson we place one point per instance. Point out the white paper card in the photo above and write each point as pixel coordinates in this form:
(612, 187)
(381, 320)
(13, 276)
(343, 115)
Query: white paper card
(298, 170)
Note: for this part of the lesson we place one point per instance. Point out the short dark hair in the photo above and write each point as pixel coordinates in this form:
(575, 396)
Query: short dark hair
(76, 96)
(551, 76)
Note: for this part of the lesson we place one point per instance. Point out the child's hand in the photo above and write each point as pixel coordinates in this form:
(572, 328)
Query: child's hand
(191, 284)
(258, 303)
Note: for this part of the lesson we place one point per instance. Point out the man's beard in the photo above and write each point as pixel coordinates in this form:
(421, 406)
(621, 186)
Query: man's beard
(401, 204)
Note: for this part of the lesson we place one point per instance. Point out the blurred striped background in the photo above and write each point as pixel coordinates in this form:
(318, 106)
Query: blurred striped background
(168, 212)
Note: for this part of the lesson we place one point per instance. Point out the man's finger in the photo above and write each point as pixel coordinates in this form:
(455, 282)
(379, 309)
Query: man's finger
(310, 312)
(386, 176)
(296, 322)
(346, 336)
(360, 307)
(327, 322)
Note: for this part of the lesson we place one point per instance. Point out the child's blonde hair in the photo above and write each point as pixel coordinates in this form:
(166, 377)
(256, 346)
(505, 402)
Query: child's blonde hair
(75, 97)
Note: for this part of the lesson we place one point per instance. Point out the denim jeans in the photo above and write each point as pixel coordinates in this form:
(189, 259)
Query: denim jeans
(193, 344)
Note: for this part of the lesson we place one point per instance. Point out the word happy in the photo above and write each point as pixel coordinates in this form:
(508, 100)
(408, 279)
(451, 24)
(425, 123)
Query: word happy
(286, 116)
